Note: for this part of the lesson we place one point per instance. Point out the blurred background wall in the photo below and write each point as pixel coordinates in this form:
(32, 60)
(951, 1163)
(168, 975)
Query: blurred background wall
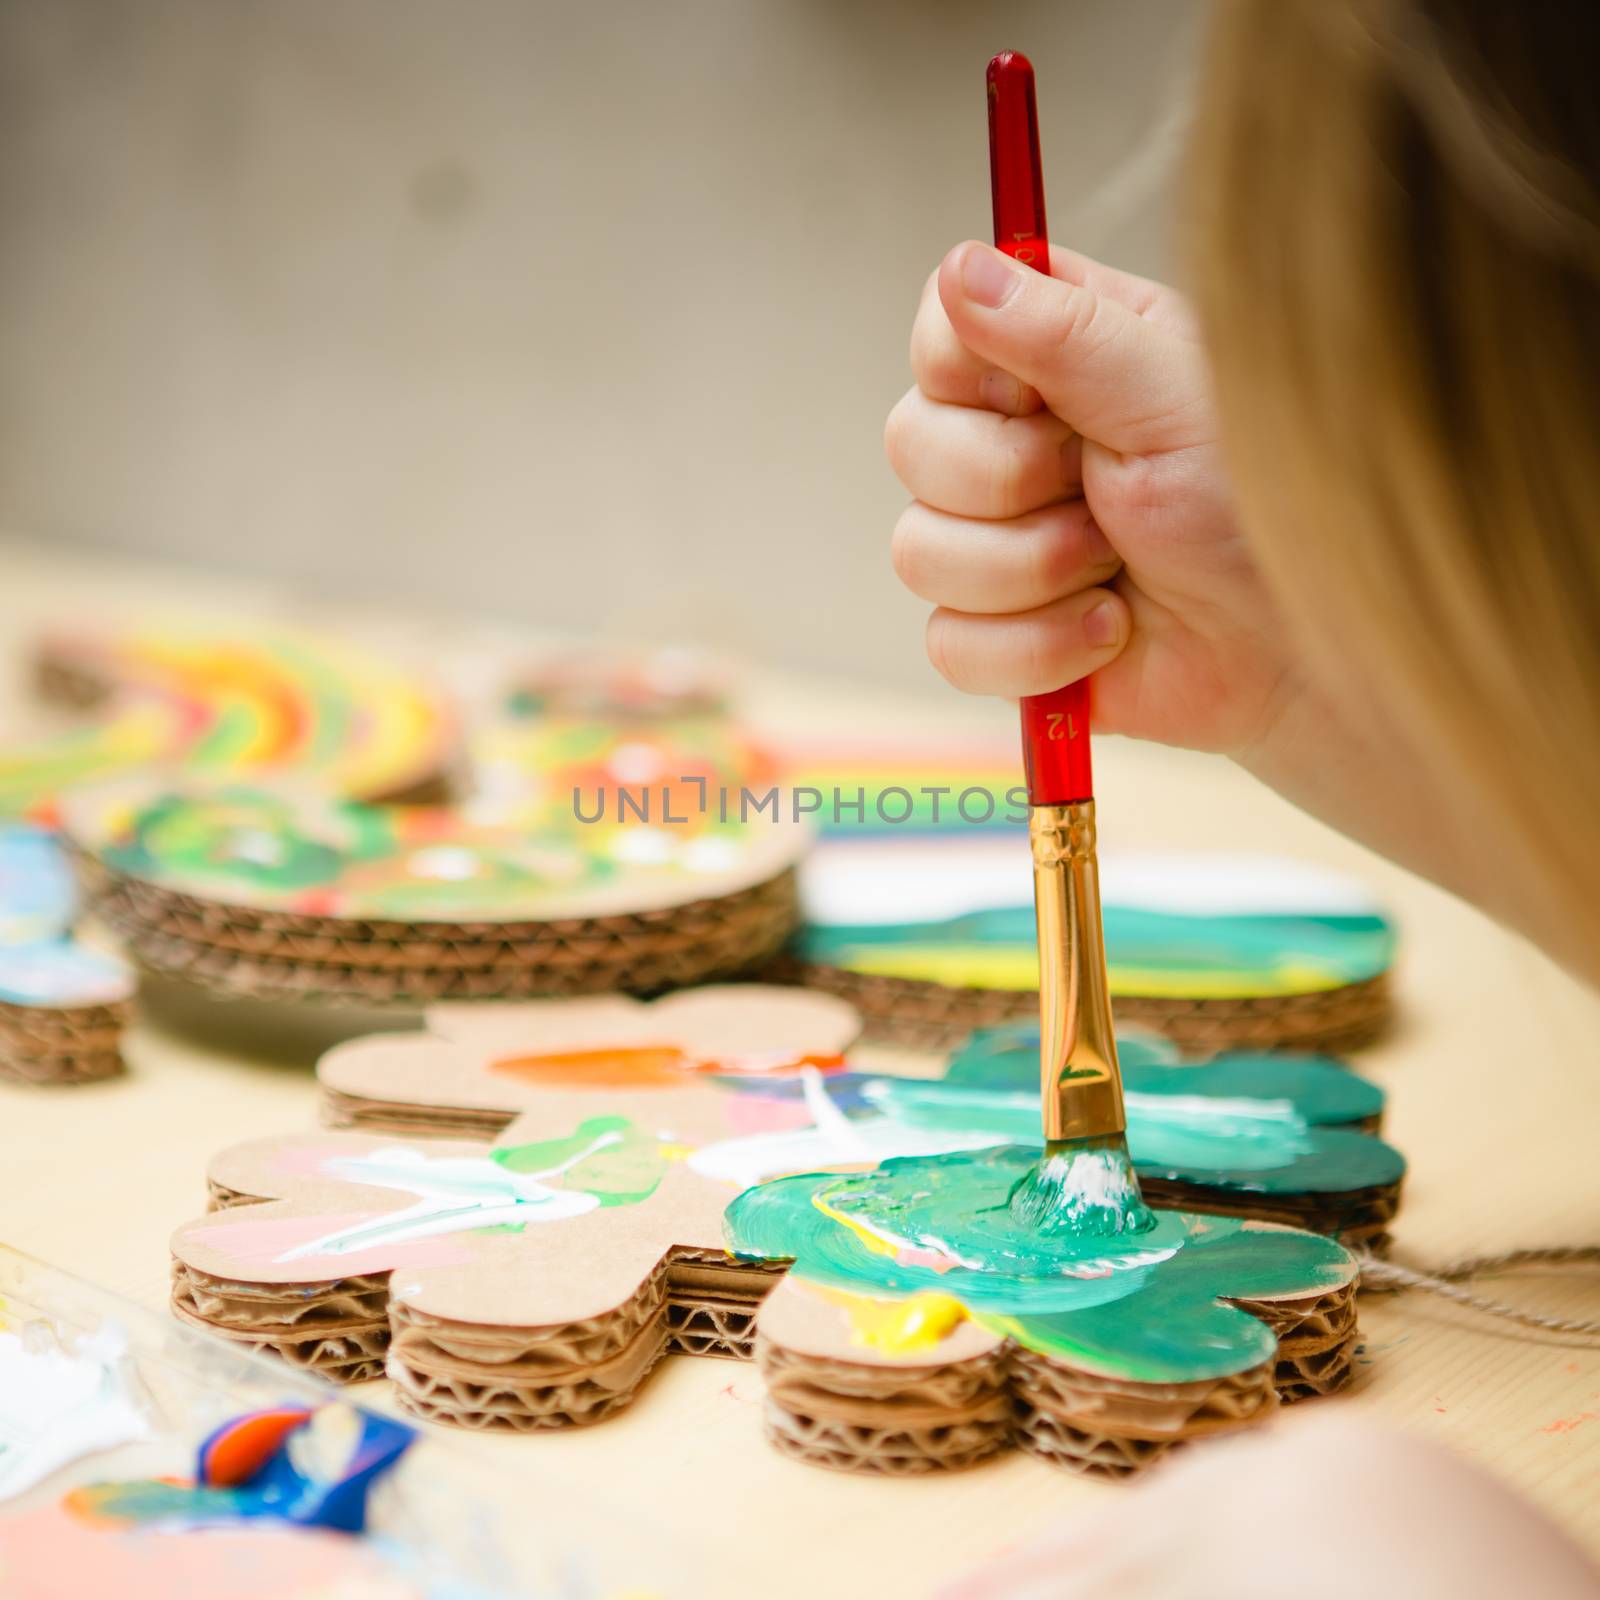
(584, 314)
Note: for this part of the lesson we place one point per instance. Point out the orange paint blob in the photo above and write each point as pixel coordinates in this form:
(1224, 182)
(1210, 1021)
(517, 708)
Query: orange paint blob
(647, 1066)
(236, 1453)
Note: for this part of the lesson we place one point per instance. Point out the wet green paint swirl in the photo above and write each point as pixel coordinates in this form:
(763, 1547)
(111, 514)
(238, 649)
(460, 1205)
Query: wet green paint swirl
(1146, 1308)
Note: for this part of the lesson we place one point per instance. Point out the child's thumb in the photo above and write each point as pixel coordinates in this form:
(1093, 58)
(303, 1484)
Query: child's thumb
(1103, 369)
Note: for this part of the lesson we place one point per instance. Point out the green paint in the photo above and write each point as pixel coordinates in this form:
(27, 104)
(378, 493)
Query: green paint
(1252, 1124)
(1153, 953)
(1082, 1186)
(627, 1166)
(239, 841)
(1318, 1089)
(1145, 1308)
(75, 756)
(1222, 1144)
(234, 728)
(245, 836)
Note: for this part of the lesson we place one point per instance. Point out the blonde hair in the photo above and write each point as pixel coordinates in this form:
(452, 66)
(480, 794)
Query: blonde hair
(1395, 247)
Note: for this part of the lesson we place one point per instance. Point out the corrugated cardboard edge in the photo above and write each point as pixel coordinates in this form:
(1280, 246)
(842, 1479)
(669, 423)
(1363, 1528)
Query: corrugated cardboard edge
(62, 1045)
(1355, 1217)
(644, 953)
(898, 1417)
(888, 1420)
(934, 1016)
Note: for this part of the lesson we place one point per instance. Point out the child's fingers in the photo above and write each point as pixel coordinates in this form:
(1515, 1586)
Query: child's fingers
(1116, 376)
(1000, 567)
(978, 464)
(946, 370)
(1030, 652)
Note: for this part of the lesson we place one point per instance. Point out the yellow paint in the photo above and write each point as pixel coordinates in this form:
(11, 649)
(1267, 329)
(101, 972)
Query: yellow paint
(899, 1327)
(875, 1242)
(1018, 969)
(1284, 979)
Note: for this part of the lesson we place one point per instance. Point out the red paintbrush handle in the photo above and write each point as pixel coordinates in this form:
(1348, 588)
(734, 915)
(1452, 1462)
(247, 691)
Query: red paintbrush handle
(1055, 746)
(1055, 726)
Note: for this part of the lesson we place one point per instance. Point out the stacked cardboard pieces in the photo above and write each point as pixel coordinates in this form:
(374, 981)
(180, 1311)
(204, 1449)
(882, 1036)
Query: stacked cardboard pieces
(359, 729)
(158, 698)
(931, 937)
(63, 1004)
(64, 1044)
(728, 924)
(921, 1014)
(554, 1324)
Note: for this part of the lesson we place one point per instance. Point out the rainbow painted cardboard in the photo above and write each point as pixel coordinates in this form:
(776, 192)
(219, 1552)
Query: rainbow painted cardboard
(230, 702)
(635, 1200)
(544, 881)
(209, 701)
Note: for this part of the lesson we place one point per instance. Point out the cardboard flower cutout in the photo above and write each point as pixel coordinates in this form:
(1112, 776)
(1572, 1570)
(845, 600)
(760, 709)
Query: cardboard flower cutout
(897, 1263)
(531, 1274)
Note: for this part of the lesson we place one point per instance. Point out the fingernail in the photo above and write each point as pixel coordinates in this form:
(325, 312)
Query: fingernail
(988, 277)
(999, 391)
(1102, 627)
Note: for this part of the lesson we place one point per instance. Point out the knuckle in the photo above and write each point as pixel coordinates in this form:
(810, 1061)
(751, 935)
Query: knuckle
(1057, 554)
(903, 549)
(1140, 489)
(933, 340)
(923, 352)
(1035, 659)
(1079, 325)
(1009, 473)
(939, 362)
(1045, 656)
(941, 651)
(1049, 567)
(895, 430)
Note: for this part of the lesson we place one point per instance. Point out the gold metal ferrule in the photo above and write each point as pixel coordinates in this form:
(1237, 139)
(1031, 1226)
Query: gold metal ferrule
(1081, 1081)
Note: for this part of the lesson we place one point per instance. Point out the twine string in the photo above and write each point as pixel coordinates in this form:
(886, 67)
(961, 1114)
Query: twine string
(1445, 1281)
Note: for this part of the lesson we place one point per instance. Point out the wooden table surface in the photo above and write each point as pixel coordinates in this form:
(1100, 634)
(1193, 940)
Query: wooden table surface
(1495, 1098)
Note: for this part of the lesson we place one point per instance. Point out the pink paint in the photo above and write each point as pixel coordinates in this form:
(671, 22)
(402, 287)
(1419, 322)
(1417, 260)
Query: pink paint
(258, 1242)
(758, 1113)
(305, 1160)
(916, 1255)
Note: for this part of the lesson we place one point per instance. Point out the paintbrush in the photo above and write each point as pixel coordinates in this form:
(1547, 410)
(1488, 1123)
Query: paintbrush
(1085, 1182)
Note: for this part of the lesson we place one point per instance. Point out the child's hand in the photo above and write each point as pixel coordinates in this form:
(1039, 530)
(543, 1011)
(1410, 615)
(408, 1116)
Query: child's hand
(1322, 1508)
(1072, 515)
